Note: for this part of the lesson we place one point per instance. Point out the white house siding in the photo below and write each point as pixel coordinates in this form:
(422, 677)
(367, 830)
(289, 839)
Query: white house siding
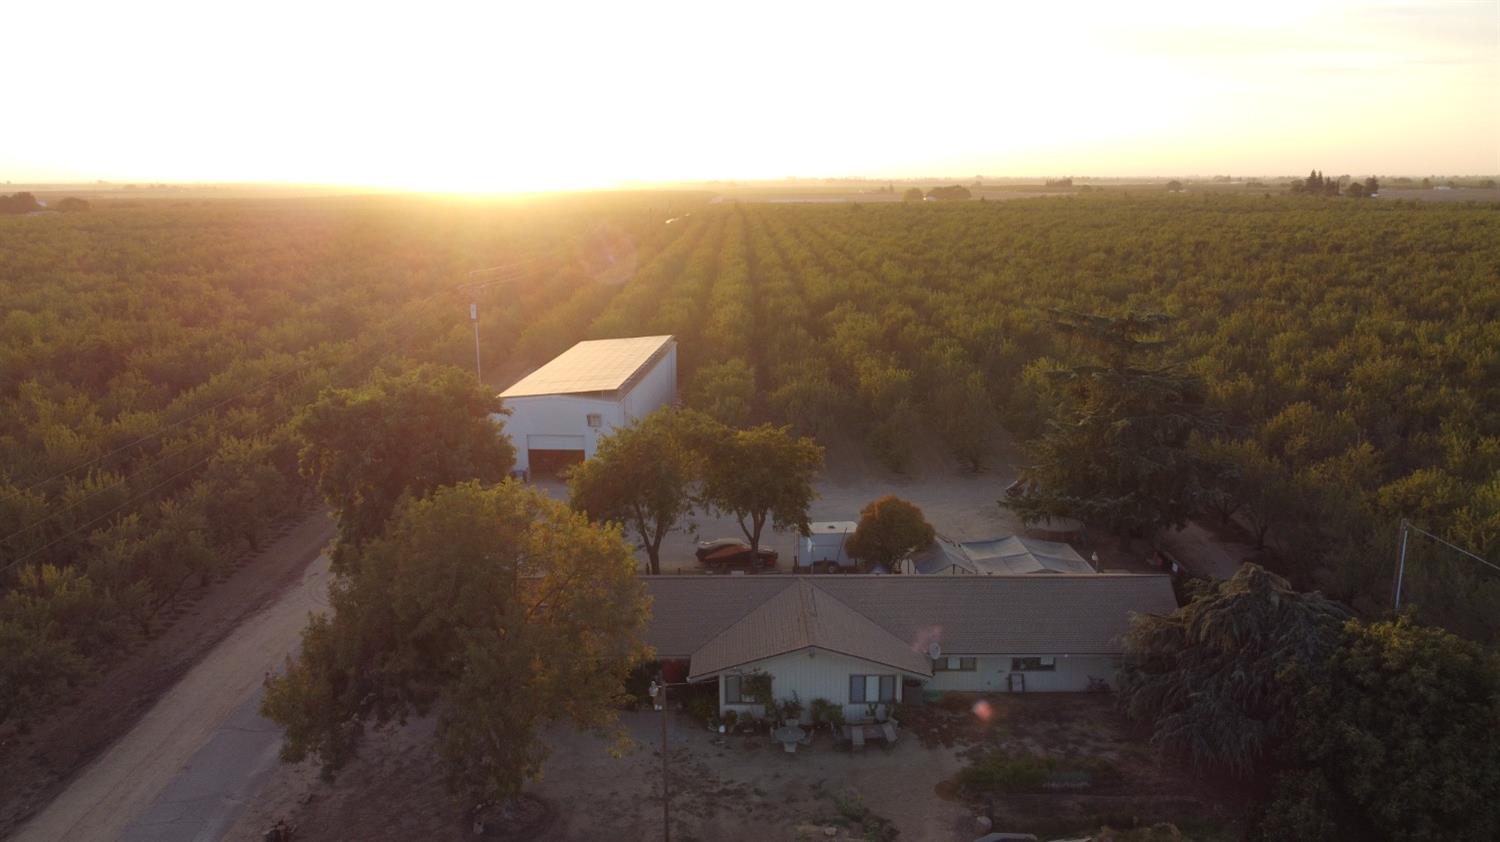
(812, 674)
(657, 388)
(991, 674)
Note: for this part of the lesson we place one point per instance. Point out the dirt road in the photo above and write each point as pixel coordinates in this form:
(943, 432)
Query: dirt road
(183, 770)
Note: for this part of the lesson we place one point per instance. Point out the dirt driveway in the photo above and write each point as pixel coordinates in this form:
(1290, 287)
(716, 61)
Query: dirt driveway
(159, 769)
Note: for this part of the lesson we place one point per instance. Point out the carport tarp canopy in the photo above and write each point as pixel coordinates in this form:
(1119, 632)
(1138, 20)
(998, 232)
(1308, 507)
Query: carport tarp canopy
(1000, 556)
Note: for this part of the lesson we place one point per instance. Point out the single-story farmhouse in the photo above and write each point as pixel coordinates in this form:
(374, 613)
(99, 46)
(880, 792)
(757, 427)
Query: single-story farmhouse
(855, 640)
(559, 411)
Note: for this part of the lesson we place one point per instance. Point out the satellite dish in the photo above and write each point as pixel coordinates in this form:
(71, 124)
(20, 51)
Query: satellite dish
(934, 650)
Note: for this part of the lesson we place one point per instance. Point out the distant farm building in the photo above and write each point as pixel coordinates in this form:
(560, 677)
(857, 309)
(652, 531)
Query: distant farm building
(559, 411)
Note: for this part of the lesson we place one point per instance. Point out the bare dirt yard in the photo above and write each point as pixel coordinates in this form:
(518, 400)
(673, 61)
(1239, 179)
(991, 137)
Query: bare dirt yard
(746, 788)
(1053, 764)
(960, 504)
(36, 766)
(723, 788)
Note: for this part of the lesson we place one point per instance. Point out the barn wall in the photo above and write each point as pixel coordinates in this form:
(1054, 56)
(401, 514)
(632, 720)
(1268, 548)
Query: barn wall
(812, 674)
(991, 675)
(657, 388)
(567, 415)
(558, 415)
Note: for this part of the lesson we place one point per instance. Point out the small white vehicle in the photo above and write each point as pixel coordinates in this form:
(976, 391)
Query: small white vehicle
(823, 550)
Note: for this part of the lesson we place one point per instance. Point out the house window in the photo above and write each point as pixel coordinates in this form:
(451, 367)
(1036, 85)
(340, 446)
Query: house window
(732, 690)
(596, 420)
(1033, 664)
(954, 664)
(872, 688)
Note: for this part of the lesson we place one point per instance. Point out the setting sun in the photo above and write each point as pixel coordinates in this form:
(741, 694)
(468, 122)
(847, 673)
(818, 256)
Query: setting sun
(817, 421)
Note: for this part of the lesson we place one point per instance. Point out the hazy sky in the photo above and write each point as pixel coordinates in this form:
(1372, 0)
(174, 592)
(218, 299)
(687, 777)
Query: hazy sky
(535, 95)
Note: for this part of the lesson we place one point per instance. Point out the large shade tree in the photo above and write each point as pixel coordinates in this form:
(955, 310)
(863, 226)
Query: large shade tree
(1396, 739)
(1117, 453)
(889, 530)
(496, 608)
(761, 475)
(407, 433)
(643, 476)
(1215, 679)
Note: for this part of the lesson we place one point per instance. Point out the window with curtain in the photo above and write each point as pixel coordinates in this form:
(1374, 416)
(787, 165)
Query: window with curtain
(872, 688)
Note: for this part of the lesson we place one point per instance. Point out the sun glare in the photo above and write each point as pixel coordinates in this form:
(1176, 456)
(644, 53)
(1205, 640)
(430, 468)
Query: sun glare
(468, 98)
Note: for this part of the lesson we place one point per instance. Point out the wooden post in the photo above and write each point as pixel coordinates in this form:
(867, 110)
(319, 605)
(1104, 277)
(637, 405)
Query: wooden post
(666, 791)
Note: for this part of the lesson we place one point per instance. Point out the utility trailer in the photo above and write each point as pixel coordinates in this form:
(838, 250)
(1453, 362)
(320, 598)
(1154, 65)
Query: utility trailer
(823, 549)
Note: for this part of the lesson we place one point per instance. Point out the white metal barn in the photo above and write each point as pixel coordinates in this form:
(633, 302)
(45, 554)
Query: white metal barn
(559, 411)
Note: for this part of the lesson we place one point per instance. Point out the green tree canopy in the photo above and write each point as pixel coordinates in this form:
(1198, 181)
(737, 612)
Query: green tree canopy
(763, 474)
(889, 530)
(643, 476)
(1117, 451)
(912, 194)
(1397, 739)
(953, 192)
(407, 433)
(497, 608)
(725, 390)
(19, 203)
(1213, 677)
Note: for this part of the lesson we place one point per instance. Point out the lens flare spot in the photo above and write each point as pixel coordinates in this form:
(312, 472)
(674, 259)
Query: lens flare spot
(982, 711)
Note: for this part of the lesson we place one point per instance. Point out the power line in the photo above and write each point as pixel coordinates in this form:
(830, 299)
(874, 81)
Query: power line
(1407, 527)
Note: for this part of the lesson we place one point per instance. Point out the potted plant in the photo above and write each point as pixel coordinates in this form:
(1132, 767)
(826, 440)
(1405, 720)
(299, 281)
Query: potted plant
(790, 708)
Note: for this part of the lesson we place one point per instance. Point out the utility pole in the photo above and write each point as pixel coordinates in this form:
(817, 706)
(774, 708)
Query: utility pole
(659, 690)
(1406, 529)
(666, 780)
(474, 317)
(508, 273)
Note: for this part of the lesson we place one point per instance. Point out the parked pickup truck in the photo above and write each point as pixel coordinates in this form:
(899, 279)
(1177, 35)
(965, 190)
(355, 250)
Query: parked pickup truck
(724, 554)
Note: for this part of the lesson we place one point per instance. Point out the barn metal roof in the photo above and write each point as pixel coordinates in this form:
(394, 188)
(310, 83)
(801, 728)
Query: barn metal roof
(595, 365)
(970, 615)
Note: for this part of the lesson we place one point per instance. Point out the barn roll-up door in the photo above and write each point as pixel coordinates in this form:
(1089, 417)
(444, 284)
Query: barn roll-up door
(534, 442)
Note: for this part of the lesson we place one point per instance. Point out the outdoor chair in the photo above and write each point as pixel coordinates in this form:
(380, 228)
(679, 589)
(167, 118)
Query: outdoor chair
(857, 734)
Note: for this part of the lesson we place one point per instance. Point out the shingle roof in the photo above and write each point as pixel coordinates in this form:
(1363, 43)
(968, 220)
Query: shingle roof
(1023, 615)
(597, 365)
(799, 616)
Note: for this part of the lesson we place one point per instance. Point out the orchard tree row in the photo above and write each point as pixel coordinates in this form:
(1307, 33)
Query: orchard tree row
(1348, 354)
(154, 360)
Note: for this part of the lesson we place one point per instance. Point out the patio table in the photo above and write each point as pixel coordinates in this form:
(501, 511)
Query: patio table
(789, 736)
